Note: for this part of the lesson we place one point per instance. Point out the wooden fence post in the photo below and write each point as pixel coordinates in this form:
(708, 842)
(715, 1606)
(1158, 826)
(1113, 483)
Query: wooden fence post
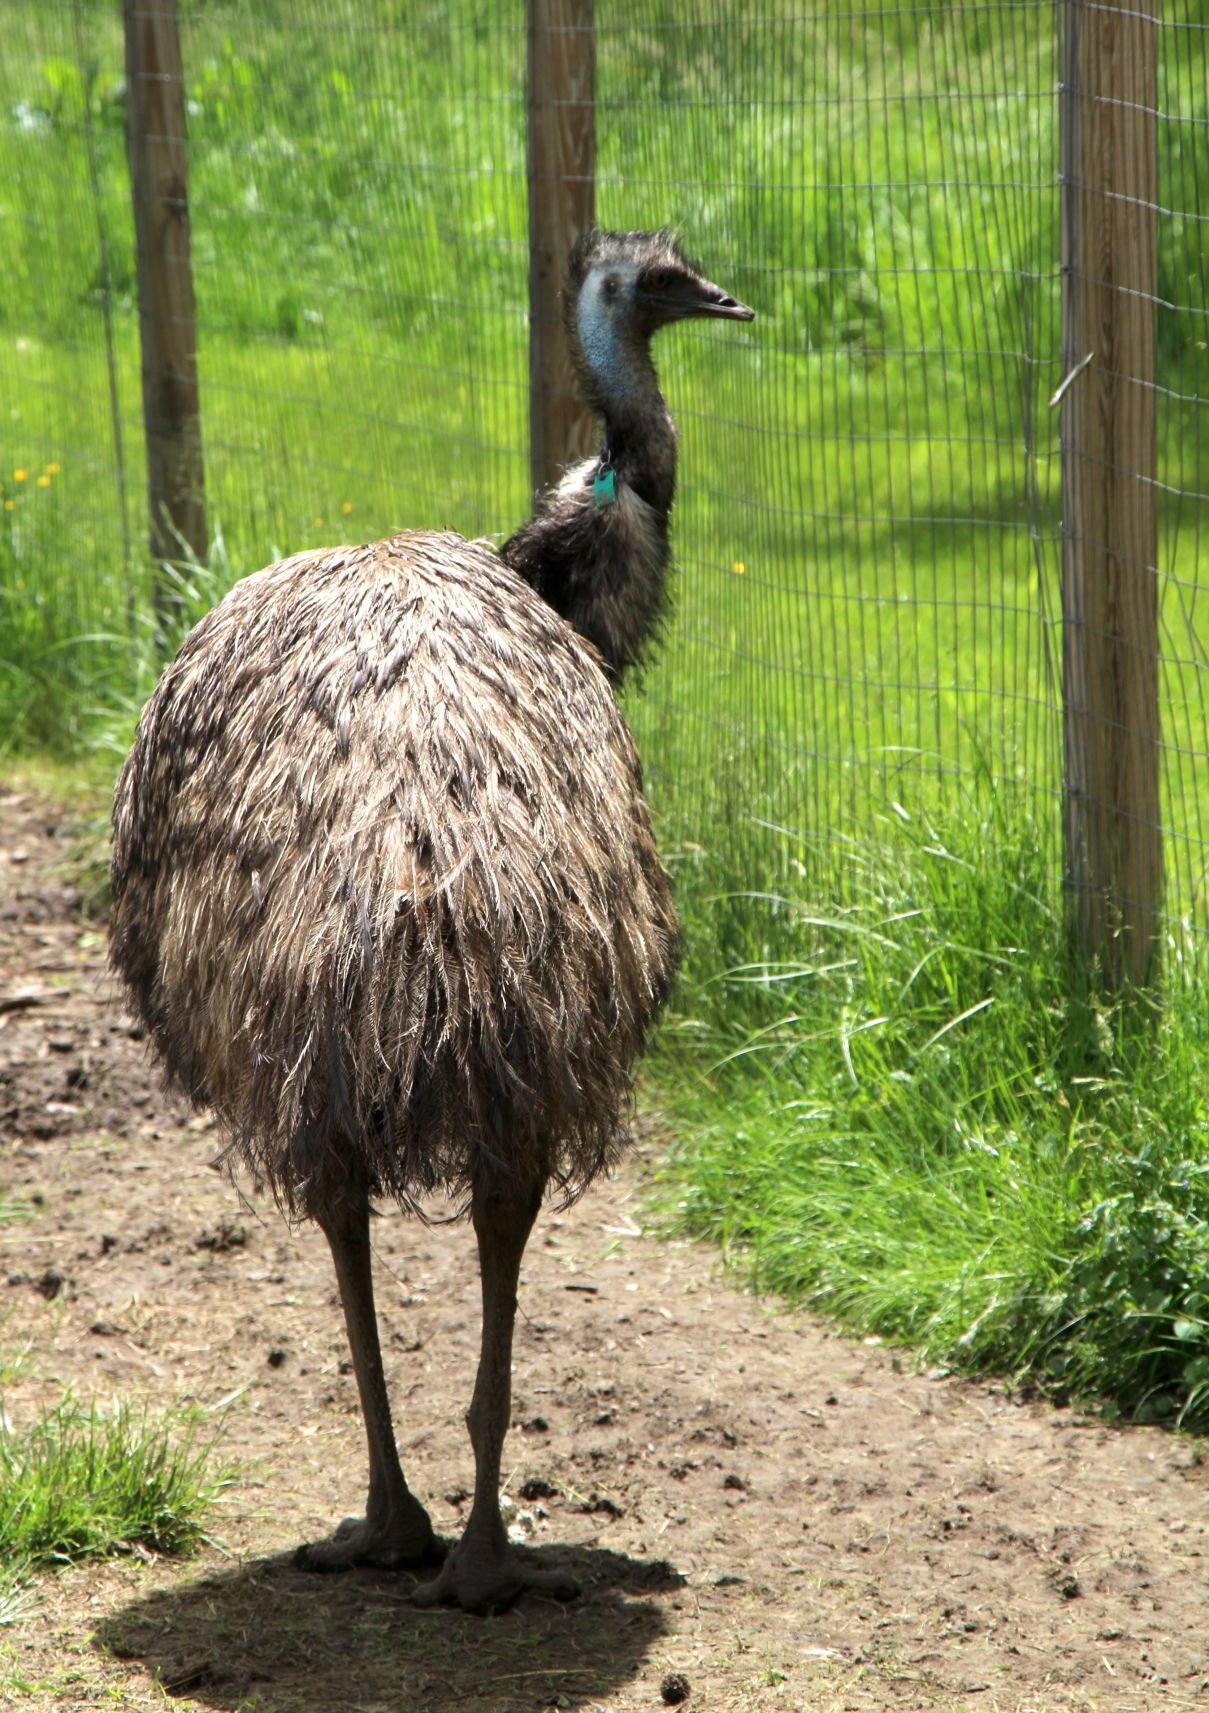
(1110, 658)
(562, 200)
(155, 141)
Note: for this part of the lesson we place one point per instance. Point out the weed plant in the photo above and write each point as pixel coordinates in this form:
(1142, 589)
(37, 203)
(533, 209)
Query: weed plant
(84, 1483)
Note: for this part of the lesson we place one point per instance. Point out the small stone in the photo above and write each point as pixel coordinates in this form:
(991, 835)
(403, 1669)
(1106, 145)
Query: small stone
(598, 1503)
(225, 1237)
(674, 1689)
(276, 1358)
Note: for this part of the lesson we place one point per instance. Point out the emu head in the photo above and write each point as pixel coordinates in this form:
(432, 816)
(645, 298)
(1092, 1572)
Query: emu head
(622, 288)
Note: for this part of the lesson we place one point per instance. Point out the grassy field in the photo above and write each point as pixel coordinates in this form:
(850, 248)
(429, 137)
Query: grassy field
(898, 1096)
(902, 1100)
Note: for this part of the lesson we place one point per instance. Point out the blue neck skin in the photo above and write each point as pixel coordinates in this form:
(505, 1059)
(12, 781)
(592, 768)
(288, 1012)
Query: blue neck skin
(616, 355)
(638, 430)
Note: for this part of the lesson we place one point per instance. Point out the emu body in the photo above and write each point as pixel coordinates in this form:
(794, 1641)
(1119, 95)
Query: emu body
(433, 926)
(385, 891)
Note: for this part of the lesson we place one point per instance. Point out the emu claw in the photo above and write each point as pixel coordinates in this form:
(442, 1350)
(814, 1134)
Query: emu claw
(400, 1544)
(481, 1583)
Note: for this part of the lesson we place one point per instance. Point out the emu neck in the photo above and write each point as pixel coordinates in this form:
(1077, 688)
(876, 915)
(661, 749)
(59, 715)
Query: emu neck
(603, 567)
(639, 434)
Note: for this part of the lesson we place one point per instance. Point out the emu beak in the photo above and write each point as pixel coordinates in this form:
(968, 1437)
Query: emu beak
(688, 294)
(702, 297)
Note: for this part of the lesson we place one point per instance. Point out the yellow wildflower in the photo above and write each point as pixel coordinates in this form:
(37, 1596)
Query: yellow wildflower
(346, 508)
(318, 523)
(9, 504)
(20, 475)
(53, 469)
(738, 568)
(44, 481)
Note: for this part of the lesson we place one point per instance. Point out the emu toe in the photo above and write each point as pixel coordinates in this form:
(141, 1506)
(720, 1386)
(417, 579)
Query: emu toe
(404, 1542)
(492, 1582)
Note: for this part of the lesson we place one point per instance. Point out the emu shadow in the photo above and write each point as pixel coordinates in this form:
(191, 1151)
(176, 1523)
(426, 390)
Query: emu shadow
(288, 1641)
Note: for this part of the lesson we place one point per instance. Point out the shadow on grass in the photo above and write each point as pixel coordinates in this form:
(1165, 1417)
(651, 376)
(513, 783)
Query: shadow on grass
(266, 1636)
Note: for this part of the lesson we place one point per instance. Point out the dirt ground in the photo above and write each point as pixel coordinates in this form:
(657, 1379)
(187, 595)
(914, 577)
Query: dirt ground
(786, 1518)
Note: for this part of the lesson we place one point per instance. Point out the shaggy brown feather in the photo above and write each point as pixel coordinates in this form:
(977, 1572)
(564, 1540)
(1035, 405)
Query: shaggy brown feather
(384, 879)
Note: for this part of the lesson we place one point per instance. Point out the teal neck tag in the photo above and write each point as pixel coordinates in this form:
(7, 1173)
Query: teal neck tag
(604, 488)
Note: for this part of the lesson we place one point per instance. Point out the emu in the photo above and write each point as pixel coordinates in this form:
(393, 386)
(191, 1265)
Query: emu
(385, 892)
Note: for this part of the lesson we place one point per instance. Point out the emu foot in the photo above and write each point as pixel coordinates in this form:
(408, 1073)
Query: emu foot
(491, 1580)
(403, 1541)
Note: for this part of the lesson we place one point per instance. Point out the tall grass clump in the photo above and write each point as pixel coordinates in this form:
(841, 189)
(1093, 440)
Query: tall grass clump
(920, 1116)
(39, 670)
(84, 1483)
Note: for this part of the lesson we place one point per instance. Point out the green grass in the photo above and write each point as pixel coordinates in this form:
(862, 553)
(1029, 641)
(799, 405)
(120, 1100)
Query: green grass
(866, 451)
(85, 1483)
(875, 452)
(907, 1107)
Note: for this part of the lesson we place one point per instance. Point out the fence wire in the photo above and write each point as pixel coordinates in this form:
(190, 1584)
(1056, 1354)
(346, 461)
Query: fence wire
(869, 523)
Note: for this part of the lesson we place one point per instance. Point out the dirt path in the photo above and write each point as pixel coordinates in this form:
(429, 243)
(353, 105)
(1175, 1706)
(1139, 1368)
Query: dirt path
(786, 1518)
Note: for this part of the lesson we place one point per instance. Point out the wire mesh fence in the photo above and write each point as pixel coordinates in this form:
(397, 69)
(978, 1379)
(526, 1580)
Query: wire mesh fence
(870, 527)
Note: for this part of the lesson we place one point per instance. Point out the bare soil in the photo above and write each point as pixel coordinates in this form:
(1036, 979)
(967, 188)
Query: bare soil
(782, 1516)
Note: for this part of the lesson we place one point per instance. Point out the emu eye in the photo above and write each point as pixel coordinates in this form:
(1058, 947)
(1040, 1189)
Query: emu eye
(610, 286)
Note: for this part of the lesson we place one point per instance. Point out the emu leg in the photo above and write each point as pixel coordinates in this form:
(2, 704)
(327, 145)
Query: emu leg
(395, 1530)
(483, 1571)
